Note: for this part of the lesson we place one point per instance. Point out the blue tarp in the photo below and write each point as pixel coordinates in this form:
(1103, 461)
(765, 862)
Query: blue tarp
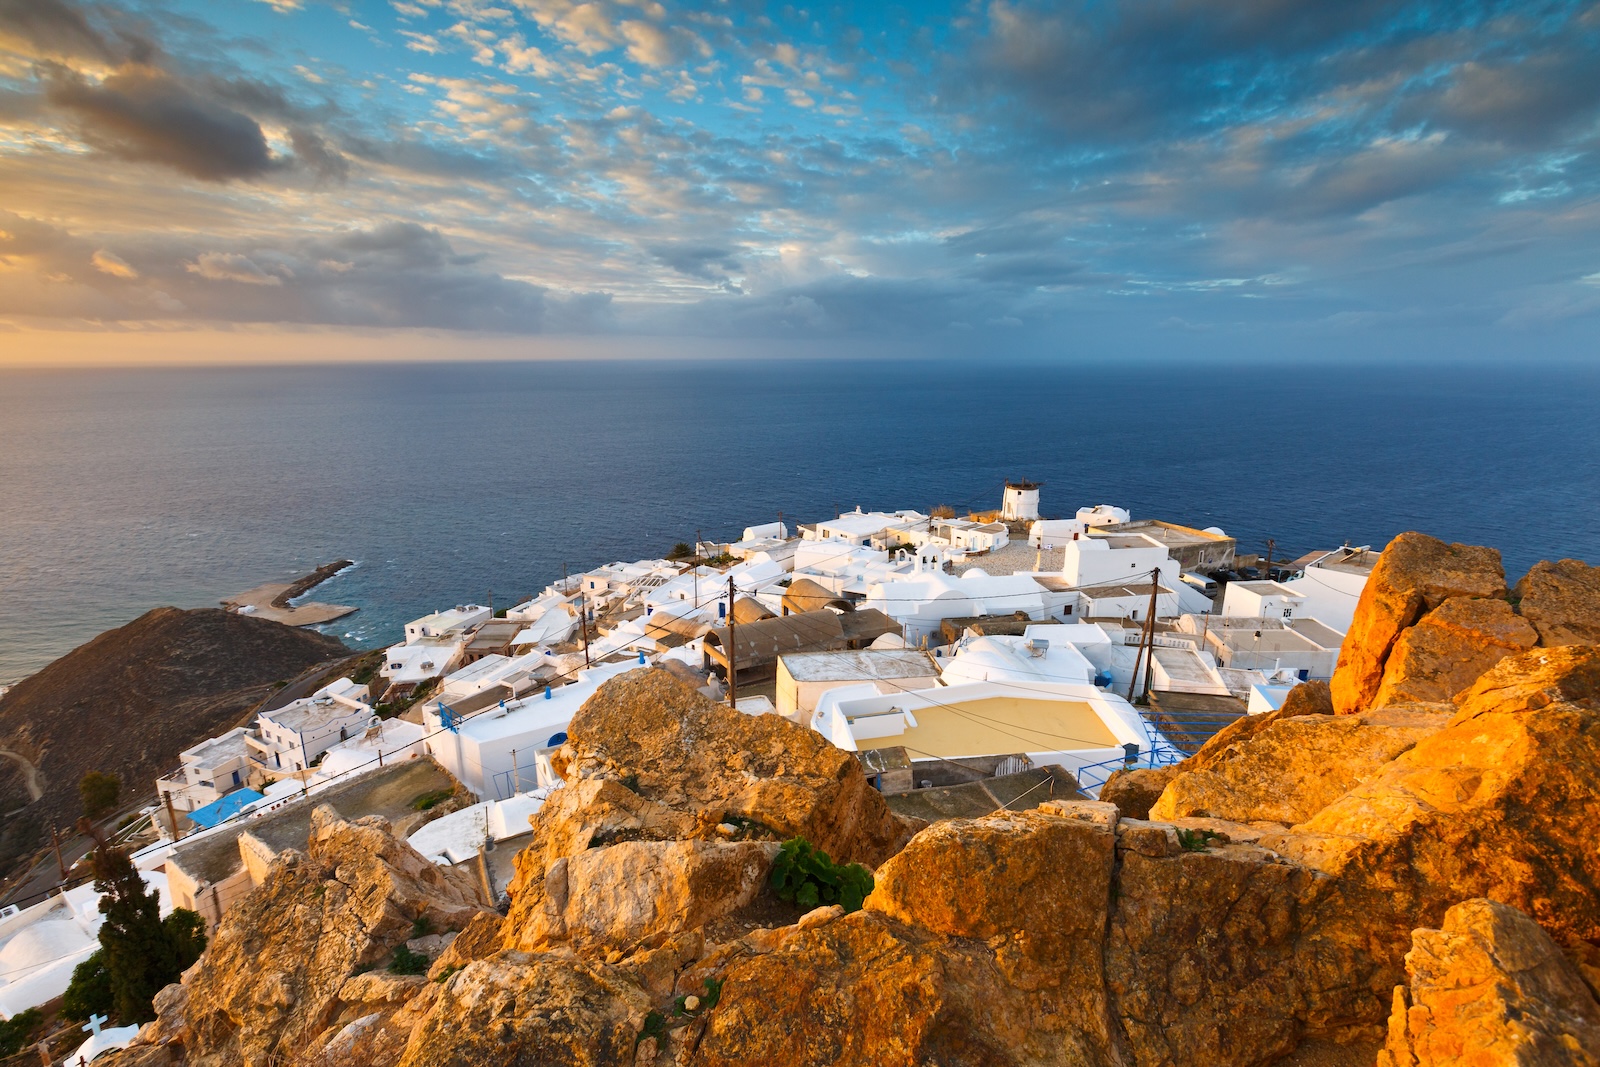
(224, 809)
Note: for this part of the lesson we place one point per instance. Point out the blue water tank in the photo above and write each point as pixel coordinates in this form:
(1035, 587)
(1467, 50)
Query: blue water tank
(1103, 679)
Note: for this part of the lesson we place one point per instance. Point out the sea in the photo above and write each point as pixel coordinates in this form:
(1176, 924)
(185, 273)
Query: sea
(123, 490)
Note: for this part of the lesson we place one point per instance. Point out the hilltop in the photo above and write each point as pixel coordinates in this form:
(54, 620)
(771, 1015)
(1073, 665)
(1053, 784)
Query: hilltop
(130, 700)
(1395, 871)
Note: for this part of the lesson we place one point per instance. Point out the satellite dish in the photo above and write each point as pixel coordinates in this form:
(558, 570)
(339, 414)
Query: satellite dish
(1217, 530)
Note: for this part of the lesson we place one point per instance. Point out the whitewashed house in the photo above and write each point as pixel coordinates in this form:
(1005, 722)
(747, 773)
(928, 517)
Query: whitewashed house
(290, 738)
(208, 771)
(1260, 600)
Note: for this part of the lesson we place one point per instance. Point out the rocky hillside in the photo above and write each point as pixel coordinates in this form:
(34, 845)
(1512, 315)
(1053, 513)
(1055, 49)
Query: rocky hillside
(1401, 871)
(133, 698)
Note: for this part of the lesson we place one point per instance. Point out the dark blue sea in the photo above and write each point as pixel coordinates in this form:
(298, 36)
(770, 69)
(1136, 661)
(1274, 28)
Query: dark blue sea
(123, 490)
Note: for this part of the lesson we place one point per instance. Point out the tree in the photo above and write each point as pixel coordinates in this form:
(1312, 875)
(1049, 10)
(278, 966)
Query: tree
(141, 953)
(100, 793)
(15, 1031)
(90, 990)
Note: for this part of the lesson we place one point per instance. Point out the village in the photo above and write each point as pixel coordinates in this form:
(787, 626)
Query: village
(968, 663)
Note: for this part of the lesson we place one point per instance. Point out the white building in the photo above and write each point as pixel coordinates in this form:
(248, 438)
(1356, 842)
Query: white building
(1020, 502)
(1103, 515)
(1027, 660)
(1117, 558)
(920, 602)
(1331, 583)
(861, 527)
(804, 676)
(442, 623)
(1260, 600)
(495, 751)
(208, 771)
(40, 945)
(290, 738)
(1072, 725)
(1126, 600)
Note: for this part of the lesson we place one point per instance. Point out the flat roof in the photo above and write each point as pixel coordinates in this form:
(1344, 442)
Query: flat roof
(997, 726)
(863, 665)
(230, 745)
(1266, 588)
(1170, 533)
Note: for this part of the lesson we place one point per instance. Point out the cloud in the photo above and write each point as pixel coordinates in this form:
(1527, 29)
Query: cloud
(709, 262)
(107, 263)
(58, 30)
(142, 114)
(230, 267)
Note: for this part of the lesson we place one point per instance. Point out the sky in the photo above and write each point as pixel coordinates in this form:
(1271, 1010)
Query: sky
(1269, 180)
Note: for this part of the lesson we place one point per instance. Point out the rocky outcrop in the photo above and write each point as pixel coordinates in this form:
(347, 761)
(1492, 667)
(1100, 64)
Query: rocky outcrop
(1134, 791)
(1491, 988)
(1562, 601)
(1264, 915)
(1325, 755)
(1449, 648)
(672, 812)
(272, 985)
(1415, 574)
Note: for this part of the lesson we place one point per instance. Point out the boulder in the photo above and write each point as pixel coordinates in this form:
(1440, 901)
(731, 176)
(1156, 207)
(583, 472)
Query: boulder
(1534, 680)
(1324, 755)
(1449, 648)
(1500, 803)
(981, 944)
(1001, 877)
(1307, 698)
(1562, 601)
(1491, 988)
(545, 1010)
(660, 772)
(1133, 791)
(1201, 955)
(272, 979)
(692, 755)
(1415, 574)
(615, 897)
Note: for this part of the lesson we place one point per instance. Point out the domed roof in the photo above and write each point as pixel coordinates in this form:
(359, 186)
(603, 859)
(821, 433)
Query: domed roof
(44, 941)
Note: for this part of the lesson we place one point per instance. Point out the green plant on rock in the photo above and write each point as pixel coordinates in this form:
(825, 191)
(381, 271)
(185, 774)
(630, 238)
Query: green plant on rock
(655, 1025)
(407, 962)
(1196, 840)
(693, 1006)
(808, 877)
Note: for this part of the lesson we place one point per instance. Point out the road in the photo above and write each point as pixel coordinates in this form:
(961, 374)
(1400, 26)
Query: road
(30, 773)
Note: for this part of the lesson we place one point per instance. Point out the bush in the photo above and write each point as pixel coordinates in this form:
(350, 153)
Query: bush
(100, 793)
(407, 962)
(433, 799)
(681, 550)
(89, 992)
(808, 877)
(15, 1031)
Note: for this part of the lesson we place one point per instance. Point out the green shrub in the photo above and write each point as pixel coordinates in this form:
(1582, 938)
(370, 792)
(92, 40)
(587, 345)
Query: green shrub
(421, 926)
(1195, 840)
(808, 877)
(433, 799)
(89, 992)
(15, 1031)
(407, 962)
(100, 793)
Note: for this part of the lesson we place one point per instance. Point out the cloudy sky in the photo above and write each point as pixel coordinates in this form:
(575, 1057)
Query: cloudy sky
(1272, 179)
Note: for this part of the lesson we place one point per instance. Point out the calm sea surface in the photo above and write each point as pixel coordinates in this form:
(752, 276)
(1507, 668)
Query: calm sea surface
(124, 490)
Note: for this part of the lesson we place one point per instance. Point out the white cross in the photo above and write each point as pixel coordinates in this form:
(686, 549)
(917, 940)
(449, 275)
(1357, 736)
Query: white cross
(94, 1024)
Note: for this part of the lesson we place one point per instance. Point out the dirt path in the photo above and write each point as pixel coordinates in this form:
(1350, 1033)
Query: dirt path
(30, 773)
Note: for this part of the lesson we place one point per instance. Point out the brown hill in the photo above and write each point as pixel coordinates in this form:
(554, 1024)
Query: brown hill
(130, 700)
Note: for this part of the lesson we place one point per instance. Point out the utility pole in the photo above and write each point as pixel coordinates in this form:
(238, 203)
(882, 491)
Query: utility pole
(55, 841)
(491, 603)
(583, 621)
(694, 561)
(1147, 636)
(1266, 571)
(172, 818)
(733, 653)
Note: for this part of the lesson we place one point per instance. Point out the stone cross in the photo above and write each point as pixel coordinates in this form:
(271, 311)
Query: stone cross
(94, 1024)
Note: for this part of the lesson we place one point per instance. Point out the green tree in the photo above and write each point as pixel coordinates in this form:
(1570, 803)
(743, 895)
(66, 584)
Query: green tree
(90, 990)
(141, 953)
(15, 1031)
(100, 793)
